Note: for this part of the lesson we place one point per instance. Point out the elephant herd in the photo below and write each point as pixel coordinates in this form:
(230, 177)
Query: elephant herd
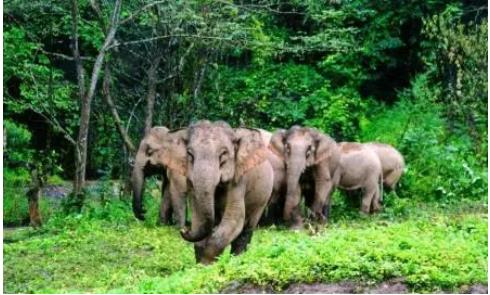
(236, 177)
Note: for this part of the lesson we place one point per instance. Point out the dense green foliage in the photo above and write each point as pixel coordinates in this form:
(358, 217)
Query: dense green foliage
(409, 73)
(273, 64)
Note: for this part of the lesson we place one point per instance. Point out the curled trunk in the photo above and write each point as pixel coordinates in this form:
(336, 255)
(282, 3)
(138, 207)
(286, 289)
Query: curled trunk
(202, 217)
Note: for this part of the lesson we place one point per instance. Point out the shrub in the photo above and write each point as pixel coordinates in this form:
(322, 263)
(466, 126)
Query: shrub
(441, 165)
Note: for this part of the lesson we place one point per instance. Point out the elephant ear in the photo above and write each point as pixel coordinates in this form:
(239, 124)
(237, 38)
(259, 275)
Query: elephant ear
(325, 146)
(153, 139)
(250, 150)
(172, 151)
(277, 142)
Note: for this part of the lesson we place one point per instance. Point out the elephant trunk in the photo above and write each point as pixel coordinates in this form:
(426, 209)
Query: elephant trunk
(137, 183)
(294, 170)
(202, 217)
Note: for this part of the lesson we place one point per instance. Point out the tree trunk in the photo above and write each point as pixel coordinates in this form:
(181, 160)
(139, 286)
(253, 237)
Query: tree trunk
(86, 97)
(150, 98)
(129, 149)
(33, 195)
(108, 99)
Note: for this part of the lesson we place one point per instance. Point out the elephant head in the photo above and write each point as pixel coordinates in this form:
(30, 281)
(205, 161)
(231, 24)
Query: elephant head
(301, 148)
(214, 154)
(147, 162)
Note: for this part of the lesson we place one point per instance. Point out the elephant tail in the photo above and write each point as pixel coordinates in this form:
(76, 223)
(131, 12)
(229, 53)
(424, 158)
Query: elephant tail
(381, 187)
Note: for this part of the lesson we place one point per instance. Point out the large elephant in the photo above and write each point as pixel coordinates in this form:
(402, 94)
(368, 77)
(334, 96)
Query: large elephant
(231, 181)
(360, 168)
(174, 186)
(314, 157)
(392, 163)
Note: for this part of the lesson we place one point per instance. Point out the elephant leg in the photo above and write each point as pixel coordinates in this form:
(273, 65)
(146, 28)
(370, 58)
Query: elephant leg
(241, 242)
(253, 216)
(177, 197)
(375, 205)
(165, 207)
(367, 198)
(273, 212)
(322, 199)
(199, 248)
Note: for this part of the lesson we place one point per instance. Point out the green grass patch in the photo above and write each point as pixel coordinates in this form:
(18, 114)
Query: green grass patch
(433, 251)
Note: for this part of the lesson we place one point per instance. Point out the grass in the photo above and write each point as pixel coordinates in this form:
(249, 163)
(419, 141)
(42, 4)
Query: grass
(433, 248)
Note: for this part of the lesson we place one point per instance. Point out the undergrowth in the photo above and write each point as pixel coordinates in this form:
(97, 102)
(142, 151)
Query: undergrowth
(433, 250)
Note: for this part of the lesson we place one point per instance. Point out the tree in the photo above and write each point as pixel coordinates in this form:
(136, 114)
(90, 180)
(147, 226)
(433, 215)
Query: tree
(86, 94)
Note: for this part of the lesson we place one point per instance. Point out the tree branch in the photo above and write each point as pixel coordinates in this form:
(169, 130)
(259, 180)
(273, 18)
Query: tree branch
(133, 15)
(55, 124)
(107, 95)
(166, 37)
(64, 56)
(150, 97)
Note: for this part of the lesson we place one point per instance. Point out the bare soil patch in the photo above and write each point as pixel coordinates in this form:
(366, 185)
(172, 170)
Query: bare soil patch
(394, 286)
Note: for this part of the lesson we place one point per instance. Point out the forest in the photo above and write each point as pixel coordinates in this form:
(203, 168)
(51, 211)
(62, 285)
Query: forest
(84, 82)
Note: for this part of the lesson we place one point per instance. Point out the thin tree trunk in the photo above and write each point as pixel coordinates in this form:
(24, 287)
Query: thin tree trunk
(86, 96)
(150, 98)
(107, 95)
(129, 149)
(79, 178)
(33, 196)
(198, 80)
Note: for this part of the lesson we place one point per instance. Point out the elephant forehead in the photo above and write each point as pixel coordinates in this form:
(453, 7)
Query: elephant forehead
(299, 139)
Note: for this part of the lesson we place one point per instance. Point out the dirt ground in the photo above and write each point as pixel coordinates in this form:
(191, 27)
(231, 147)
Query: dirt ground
(395, 286)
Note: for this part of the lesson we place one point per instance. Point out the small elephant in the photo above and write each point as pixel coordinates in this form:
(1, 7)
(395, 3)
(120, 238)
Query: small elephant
(392, 163)
(360, 168)
(174, 186)
(231, 181)
(312, 157)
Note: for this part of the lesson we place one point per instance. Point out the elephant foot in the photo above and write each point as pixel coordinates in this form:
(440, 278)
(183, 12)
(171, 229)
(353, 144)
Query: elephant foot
(376, 209)
(296, 226)
(363, 214)
(164, 221)
(320, 218)
(241, 242)
(199, 251)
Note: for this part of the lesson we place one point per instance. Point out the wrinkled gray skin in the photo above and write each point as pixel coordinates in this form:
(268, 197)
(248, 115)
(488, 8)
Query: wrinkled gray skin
(275, 207)
(174, 186)
(231, 181)
(360, 168)
(306, 149)
(392, 163)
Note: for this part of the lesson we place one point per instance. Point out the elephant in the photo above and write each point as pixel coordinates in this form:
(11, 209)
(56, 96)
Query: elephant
(392, 163)
(360, 168)
(231, 180)
(313, 157)
(174, 186)
(275, 207)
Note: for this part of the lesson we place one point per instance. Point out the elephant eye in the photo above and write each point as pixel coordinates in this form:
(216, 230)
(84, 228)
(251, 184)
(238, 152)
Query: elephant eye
(223, 157)
(190, 156)
(308, 151)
